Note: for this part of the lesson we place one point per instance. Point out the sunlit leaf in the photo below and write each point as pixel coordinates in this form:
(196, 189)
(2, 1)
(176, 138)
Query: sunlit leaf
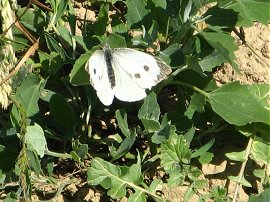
(241, 104)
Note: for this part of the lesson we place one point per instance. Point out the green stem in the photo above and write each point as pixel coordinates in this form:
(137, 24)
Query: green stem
(189, 86)
(60, 155)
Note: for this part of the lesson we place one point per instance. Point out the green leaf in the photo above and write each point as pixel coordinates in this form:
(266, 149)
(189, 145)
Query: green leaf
(55, 46)
(28, 94)
(138, 14)
(174, 151)
(173, 55)
(35, 139)
(261, 152)
(216, 16)
(66, 35)
(224, 44)
(211, 61)
(243, 181)
(125, 146)
(51, 63)
(203, 149)
(241, 104)
(75, 156)
(102, 20)
(82, 151)
(263, 197)
(163, 134)
(138, 196)
(180, 121)
(197, 102)
(34, 161)
(149, 113)
(236, 156)
(116, 41)
(250, 11)
(59, 9)
(121, 117)
(112, 177)
(206, 158)
(78, 75)
(7, 158)
(62, 114)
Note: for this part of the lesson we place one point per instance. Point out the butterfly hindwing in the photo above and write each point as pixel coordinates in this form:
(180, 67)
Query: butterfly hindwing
(99, 79)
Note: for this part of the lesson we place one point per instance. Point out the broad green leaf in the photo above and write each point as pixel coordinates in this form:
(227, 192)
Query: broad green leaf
(260, 173)
(55, 46)
(121, 117)
(174, 151)
(211, 61)
(51, 63)
(206, 158)
(28, 94)
(173, 55)
(216, 16)
(243, 181)
(62, 115)
(116, 41)
(149, 113)
(249, 11)
(236, 156)
(197, 102)
(180, 121)
(137, 14)
(66, 35)
(150, 108)
(112, 177)
(125, 146)
(7, 158)
(261, 152)
(263, 197)
(200, 183)
(163, 134)
(75, 156)
(177, 178)
(203, 149)
(34, 161)
(78, 75)
(241, 104)
(224, 44)
(35, 139)
(138, 196)
(82, 151)
(102, 19)
(59, 10)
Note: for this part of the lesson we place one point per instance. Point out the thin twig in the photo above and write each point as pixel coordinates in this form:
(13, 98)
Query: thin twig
(30, 52)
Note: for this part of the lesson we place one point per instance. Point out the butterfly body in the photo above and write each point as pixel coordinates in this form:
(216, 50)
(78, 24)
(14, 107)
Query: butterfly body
(124, 73)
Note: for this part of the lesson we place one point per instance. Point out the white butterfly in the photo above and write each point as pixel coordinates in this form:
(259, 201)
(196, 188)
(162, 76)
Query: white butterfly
(124, 73)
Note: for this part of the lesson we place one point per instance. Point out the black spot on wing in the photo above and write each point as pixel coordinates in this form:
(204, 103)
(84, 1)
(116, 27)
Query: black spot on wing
(95, 71)
(137, 76)
(146, 68)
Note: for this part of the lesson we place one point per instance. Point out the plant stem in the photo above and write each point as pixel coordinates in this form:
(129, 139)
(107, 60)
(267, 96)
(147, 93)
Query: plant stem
(241, 173)
(190, 86)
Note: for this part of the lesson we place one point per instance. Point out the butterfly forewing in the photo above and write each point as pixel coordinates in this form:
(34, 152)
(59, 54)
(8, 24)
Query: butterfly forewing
(97, 69)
